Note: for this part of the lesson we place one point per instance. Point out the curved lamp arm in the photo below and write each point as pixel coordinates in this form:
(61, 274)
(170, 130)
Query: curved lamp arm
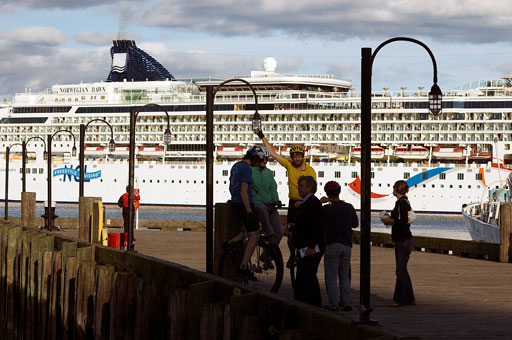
(167, 133)
(111, 144)
(73, 151)
(45, 153)
(256, 119)
(435, 96)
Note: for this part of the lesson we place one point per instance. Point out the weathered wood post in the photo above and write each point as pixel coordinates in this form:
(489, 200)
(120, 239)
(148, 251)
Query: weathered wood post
(226, 227)
(28, 209)
(84, 217)
(505, 232)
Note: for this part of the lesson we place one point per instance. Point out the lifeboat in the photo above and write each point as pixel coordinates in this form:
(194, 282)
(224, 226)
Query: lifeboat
(98, 151)
(121, 151)
(413, 153)
(377, 152)
(480, 155)
(285, 151)
(151, 151)
(230, 152)
(448, 153)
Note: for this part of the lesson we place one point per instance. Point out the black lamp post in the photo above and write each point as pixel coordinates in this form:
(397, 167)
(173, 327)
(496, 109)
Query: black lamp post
(256, 124)
(6, 201)
(131, 161)
(111, 148)
(435, 100)
(24, 159)
(49, 146)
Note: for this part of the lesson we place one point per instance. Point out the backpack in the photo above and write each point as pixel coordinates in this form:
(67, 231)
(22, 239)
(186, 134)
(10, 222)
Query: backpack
(120, 202)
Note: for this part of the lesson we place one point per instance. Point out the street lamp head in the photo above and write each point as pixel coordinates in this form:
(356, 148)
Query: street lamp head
(73, 151)
(256, 122)
(435, 98)
(111, 145)
(167, 136)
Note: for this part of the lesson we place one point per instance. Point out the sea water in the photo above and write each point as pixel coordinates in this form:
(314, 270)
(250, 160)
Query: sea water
(431, 225)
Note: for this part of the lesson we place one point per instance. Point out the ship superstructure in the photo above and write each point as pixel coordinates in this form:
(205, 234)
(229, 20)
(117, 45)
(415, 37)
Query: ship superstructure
(446, 159)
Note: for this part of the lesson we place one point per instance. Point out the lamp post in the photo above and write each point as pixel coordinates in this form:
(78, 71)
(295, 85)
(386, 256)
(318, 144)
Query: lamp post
(6, 201)
(24, 159)
(256, 124)
(131, 161)
(49, 147)
(111, 147)
(435, 101)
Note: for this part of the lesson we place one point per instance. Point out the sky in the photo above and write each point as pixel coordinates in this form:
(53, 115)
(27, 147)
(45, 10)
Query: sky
(48, 42)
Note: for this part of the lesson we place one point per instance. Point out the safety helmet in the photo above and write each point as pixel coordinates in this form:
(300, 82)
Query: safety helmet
(259, 153)
(332, 189)
(296, 149)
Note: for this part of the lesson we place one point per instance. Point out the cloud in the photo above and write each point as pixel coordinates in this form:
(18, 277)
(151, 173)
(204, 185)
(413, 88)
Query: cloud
(337, 19)
(57, 4)
(46, 36)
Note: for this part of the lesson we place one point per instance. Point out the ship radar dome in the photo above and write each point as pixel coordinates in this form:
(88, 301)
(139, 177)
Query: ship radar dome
(269, 64)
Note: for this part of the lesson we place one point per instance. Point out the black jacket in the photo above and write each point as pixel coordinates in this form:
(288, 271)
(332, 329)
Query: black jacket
(308, 230)
(400, 231)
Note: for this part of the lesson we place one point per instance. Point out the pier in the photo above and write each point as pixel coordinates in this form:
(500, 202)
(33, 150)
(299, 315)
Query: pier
(457, 297)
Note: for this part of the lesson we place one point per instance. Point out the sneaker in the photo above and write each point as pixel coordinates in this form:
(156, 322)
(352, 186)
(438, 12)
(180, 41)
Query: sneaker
(267, 261)
(244, 273)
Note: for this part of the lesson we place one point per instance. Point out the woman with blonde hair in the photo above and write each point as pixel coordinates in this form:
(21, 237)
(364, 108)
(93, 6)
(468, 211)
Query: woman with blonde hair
(404, 243)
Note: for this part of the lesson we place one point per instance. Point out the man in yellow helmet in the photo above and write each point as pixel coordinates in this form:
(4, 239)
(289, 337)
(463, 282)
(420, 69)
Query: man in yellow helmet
(296, 167)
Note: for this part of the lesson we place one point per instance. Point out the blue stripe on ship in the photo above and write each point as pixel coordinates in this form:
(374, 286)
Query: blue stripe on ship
(417, 179)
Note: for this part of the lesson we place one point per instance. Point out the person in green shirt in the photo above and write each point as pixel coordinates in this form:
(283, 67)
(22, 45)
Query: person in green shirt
(266, 199)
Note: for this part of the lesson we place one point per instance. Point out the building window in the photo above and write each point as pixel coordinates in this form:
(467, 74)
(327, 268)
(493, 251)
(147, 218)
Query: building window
(478, 177)
(224, 172)
(424, 175)
(354, 174)
(460, 177)
(320, 174)
(407, 175)
(442, 176)
(337, 174)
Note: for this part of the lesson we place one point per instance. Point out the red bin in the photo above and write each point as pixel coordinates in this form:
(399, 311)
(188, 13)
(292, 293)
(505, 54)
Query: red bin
(118, 240)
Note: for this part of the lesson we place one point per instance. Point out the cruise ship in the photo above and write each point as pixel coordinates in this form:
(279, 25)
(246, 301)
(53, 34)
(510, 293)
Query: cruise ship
(446, 159)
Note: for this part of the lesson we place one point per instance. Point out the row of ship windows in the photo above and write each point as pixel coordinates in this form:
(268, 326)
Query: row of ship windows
(388, 185)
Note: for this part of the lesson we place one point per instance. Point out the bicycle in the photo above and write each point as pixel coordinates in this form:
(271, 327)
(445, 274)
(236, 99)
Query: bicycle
(266, 264)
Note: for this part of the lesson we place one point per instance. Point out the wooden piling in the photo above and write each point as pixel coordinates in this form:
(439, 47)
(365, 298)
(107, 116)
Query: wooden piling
(122, 306)
(177, 314)
(84, 217)
(69, 298)
(85, 300)
(28, 209)
(212, 321)
(505, 232)
(103, 290)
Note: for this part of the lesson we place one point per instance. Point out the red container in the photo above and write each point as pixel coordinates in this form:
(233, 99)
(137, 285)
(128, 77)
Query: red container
(118, 240)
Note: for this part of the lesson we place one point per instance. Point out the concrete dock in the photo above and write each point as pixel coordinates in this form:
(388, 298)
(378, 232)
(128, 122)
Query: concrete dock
(457, 298)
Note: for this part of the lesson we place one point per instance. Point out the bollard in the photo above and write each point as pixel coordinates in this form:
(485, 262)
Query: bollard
(505, 232)
(226, 227)
(84, 218)
(97, 222)
(28, 209)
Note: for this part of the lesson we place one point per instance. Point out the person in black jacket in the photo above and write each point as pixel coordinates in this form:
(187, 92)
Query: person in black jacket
(308, 238)
(404, 243)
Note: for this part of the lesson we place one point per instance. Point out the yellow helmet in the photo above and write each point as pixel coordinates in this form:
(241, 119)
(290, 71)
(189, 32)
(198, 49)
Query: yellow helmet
(296, 149)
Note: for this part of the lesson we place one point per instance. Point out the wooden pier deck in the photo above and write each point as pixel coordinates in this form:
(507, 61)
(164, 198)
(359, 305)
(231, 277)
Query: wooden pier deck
(457, 298)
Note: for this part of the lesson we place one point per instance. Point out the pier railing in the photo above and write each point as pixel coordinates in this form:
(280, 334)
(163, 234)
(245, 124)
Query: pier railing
(52, 287)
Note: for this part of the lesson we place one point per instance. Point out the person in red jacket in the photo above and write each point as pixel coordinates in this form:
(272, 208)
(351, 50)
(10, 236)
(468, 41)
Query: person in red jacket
(126, 211)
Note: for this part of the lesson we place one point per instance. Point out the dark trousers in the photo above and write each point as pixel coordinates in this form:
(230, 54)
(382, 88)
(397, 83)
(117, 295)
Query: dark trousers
(307, 288)
(404, 293)
(126, 219)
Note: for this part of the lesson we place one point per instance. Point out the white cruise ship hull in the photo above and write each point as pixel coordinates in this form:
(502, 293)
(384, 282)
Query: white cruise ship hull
(480, 230)
(183, 183)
